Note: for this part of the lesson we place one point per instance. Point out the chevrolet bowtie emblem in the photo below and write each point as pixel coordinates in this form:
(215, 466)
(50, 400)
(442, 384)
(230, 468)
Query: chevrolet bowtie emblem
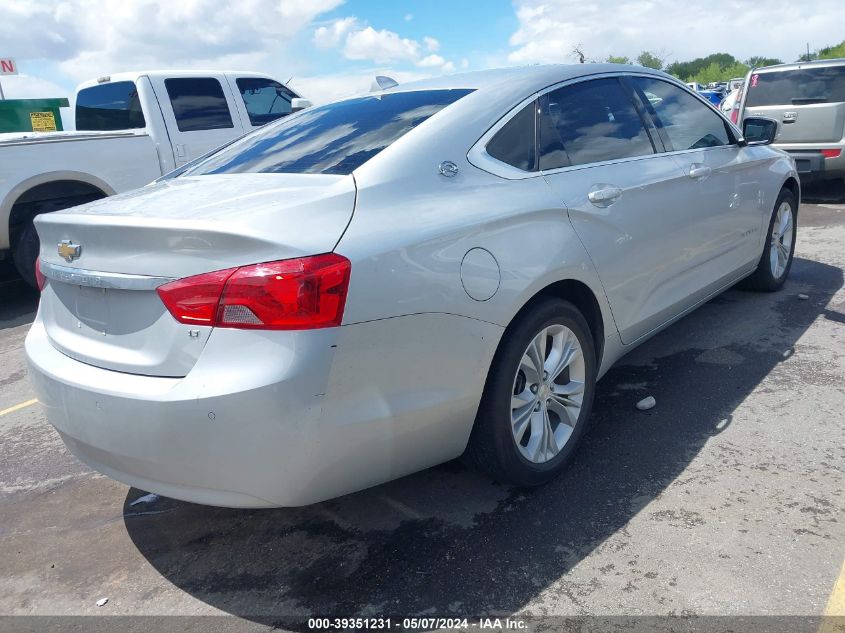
(68, 250)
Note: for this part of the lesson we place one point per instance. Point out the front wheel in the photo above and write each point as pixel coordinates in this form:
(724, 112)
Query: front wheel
(776, 260)
(538, 396)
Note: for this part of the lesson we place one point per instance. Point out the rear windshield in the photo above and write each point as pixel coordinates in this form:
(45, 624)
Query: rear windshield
(111, 106)
(332, 139)
(797, 87)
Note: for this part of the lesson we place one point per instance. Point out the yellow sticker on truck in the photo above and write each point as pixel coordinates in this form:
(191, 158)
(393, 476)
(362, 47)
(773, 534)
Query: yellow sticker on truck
(42, 121)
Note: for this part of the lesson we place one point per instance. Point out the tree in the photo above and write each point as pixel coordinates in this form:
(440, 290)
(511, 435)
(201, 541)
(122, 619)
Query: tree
(715, 72)
(615, 59)
(758, 61)
(687, 70)
(832, 52)
(650, 60)
(578, 52)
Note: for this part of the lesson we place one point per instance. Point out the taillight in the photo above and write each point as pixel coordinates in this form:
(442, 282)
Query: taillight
(40, 279)
(734, 115)
(292, 294)
(194, 299)
(831, 153)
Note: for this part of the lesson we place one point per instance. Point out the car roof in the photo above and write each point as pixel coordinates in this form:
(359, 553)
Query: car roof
(525, 79)
(816, 63)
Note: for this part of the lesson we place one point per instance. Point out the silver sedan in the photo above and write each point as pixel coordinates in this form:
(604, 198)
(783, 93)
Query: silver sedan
(370, 287)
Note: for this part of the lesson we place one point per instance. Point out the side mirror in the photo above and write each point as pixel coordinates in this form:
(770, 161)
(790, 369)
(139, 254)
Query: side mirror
(297, 104)
(759, 130)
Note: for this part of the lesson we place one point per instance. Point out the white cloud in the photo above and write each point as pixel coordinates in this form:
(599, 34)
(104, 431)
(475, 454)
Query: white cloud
(431, 44)
(324, 88)
(359, 42)
(549, 29)
(380, 46)
(430, 61)
(28, 87)
(330, 36)
(88, 39)
(409, 17)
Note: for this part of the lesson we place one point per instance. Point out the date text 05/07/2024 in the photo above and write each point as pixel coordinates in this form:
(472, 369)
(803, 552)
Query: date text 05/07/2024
(420, 623)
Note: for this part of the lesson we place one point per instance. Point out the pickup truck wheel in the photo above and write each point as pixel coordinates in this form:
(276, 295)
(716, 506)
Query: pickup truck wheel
(26, 252)
(538, 396)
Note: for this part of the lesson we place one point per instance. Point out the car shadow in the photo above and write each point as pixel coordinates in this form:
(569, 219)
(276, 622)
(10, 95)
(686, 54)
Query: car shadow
(448, 540)
(829, 192)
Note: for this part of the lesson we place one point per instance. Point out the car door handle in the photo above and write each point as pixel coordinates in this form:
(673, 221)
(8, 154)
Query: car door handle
(697, 171)
(604, 195)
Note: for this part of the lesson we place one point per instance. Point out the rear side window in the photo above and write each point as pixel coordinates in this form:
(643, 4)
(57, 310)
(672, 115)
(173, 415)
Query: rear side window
(198, 104)
(590, 122)
(109, 107)
(265, 100)
(803, 86)
(331, 139)
(687, 122)
(515, 143)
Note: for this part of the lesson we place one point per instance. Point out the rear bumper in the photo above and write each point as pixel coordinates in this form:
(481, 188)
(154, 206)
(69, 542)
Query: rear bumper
(269, 419)
(813, 166)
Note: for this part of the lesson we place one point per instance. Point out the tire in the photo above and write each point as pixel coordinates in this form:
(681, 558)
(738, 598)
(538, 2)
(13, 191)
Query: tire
(26, 252)
(767, 277)
(493, 446)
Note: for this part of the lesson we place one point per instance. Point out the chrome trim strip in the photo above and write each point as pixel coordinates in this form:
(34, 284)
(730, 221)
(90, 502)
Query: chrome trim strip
(97, 279)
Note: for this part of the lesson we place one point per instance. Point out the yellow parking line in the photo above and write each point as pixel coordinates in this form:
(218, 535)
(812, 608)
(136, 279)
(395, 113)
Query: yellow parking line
(18, 407)
(835, 606)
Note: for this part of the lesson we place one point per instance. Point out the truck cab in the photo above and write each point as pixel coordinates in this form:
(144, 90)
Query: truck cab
(131, 128)
(186, 113)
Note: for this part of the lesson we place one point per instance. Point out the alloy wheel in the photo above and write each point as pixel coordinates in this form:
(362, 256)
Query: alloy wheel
(548, 392)
(781, 240)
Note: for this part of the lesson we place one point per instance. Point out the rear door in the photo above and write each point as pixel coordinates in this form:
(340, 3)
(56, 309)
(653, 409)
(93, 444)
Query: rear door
(808, 101)
(723, 180)
(200, 113)
(628, 200)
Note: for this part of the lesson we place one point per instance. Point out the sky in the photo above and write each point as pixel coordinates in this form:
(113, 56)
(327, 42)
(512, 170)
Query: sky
(331, 48)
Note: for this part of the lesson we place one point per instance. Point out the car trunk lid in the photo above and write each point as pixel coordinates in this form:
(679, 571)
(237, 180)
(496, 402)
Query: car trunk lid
(100, 305)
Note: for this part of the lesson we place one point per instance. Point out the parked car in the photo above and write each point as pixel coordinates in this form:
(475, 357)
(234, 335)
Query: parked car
(730, 105)
(808, 99)
(131, 129)
(370, 287)
(713, 96)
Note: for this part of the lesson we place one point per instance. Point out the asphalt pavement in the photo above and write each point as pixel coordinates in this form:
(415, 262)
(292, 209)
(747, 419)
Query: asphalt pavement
(725, 499)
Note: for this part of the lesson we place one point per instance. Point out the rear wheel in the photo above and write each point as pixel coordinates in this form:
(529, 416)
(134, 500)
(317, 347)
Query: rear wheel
(776, 260)
(537, 398)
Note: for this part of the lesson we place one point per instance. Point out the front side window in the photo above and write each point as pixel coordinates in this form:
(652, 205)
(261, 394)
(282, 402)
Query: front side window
(109, 106)
(265, 100)
(332, 139)
(590, 122)
(685, 121)
(803, 86)
(198, 104)
(515, 143)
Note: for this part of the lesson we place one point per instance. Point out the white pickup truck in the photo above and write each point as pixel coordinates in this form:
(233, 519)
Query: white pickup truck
(131, 128)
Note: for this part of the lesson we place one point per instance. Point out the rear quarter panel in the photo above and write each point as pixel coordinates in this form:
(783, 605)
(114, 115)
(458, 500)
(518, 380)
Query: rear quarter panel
(408, 238)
